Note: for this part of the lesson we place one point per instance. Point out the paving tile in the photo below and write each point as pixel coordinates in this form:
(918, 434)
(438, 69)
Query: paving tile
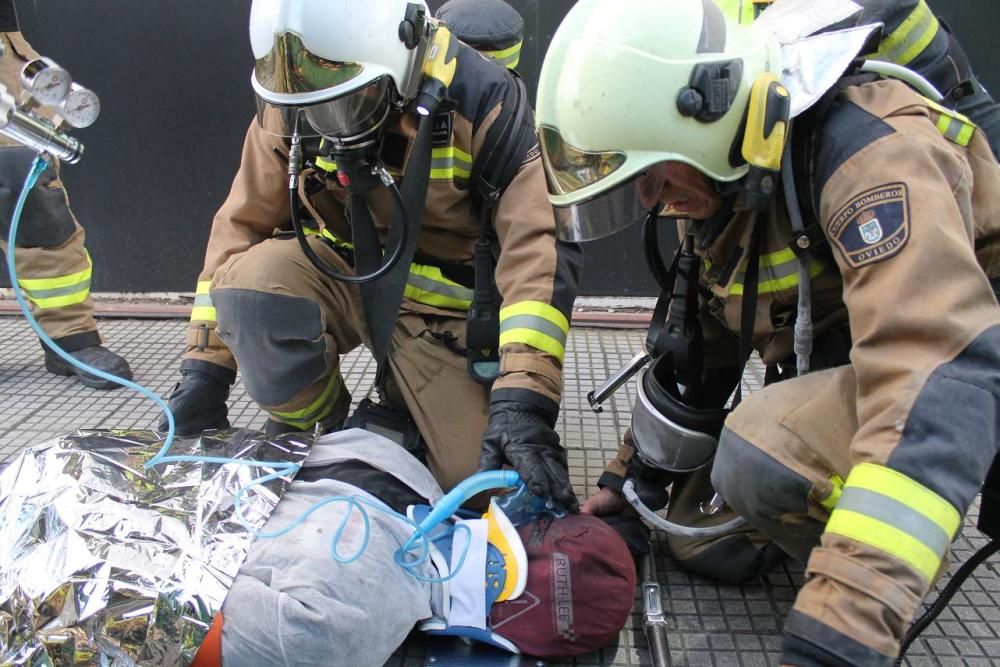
(709, 624)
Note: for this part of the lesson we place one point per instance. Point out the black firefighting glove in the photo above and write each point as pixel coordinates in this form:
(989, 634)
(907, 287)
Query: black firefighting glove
(631, 529)
(650, 483)
(198, 401)
(520, 434)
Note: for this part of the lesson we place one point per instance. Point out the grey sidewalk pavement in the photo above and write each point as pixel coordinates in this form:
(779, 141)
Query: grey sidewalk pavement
(710, 624)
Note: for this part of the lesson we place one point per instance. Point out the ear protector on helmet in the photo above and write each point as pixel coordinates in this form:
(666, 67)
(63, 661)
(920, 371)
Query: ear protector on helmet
(767, 131)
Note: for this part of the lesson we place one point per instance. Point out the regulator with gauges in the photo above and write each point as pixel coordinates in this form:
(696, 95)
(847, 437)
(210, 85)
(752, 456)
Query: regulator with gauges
(49, 87)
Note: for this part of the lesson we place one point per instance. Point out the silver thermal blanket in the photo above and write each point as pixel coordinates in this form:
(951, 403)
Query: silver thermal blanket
(105, 562)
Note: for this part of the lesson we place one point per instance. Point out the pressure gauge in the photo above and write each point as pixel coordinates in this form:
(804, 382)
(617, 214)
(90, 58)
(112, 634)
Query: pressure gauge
(47, 82)
(81, 107)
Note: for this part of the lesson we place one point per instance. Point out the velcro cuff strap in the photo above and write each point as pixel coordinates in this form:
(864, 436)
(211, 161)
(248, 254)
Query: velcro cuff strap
(529, 362)
(203, 337)
(611, 480)
(866, 580)
(543, 404)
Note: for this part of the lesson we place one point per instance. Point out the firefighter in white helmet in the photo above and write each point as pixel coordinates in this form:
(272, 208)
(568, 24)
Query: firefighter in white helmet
(400, 125)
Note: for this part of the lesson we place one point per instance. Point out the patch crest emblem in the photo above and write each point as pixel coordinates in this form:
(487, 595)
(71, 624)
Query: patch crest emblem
(873, 227)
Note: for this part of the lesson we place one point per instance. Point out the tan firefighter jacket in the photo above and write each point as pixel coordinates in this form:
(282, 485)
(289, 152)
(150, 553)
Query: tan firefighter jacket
(536, 275)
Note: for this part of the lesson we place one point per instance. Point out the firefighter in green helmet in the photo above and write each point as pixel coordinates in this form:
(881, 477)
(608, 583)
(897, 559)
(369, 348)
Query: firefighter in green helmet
(798, 175)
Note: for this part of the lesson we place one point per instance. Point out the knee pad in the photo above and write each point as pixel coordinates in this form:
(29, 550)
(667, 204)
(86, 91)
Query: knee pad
(755, 484)
(277, 340)
(46, 221)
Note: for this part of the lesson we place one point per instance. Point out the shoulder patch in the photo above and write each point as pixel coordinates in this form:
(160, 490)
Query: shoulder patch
(873, 227)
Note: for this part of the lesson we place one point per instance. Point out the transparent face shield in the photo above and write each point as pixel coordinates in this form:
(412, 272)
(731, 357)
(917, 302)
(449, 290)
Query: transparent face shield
(346, 119)
(570, 169)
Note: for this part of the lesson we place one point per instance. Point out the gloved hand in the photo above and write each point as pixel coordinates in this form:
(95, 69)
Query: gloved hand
(198, 401)
(518, 433)
(631, 529)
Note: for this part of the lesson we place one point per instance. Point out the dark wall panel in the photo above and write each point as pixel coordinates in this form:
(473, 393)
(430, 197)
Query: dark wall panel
(173, 80)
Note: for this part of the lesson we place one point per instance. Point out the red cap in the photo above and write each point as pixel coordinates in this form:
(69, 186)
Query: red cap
(581, 586)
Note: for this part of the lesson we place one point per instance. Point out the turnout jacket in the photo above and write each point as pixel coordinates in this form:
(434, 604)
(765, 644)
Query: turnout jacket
(536, 274)
(908, 203)
(908, 198)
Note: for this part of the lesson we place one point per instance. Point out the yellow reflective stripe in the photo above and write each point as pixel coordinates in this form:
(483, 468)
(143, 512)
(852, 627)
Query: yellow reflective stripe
(954, 126)
(508, 57)
(203, 314)
(539, 309)
(426, 284)
(324, 164)
(447, 162)
(964, 135)
(830, 502)
(778, 284)
(59, 291)
(61, 301)
(911, 493)
(327, 234)
(318, 409)
(886, 509)
(911, 37)
(943, 123)
(57, 282)
(203, 310)
(887, 538)
(536, 324)
(738, 11)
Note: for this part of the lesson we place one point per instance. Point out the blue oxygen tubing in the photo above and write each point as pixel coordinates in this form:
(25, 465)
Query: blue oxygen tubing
(37, 167)
(403, 557)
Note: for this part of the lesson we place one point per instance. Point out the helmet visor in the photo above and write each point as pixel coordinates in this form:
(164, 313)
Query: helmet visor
(569, 168)
(604, 214)
(290, 68)
(345, 118)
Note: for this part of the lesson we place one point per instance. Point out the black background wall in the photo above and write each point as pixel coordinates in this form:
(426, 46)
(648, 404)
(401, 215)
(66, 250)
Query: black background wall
(173, 78)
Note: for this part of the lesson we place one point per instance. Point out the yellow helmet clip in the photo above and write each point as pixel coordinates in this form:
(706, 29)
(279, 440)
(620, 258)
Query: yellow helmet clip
(768, 118)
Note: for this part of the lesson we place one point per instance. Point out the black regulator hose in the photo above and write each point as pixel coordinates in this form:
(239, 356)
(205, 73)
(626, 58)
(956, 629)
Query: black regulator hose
(294, 162)
(946, 595)
(651, 249)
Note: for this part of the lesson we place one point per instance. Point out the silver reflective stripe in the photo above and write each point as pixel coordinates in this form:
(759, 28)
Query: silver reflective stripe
(534, 323)
(894, 513)
(451, 164)
(58, 291)
(911, 37)
(444, 289)
(955, 126)
(203, 301)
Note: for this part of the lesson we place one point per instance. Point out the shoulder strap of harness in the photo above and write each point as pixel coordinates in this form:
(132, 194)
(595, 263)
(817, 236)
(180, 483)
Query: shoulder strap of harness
(507, 141)
(803, 145)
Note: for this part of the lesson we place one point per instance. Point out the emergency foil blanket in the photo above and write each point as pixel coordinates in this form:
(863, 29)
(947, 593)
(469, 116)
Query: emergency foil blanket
(105, 562)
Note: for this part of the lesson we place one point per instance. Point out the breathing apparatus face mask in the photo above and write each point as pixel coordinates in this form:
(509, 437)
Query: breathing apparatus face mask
(348, 119)
(669, 432)
(570, 169)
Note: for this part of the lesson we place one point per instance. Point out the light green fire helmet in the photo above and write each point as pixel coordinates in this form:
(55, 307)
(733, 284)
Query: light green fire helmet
(628, 84)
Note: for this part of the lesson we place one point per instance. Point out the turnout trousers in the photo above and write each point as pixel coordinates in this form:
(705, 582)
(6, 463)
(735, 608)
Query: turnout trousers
(287, 324)
(783, 456)
(53, 266)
